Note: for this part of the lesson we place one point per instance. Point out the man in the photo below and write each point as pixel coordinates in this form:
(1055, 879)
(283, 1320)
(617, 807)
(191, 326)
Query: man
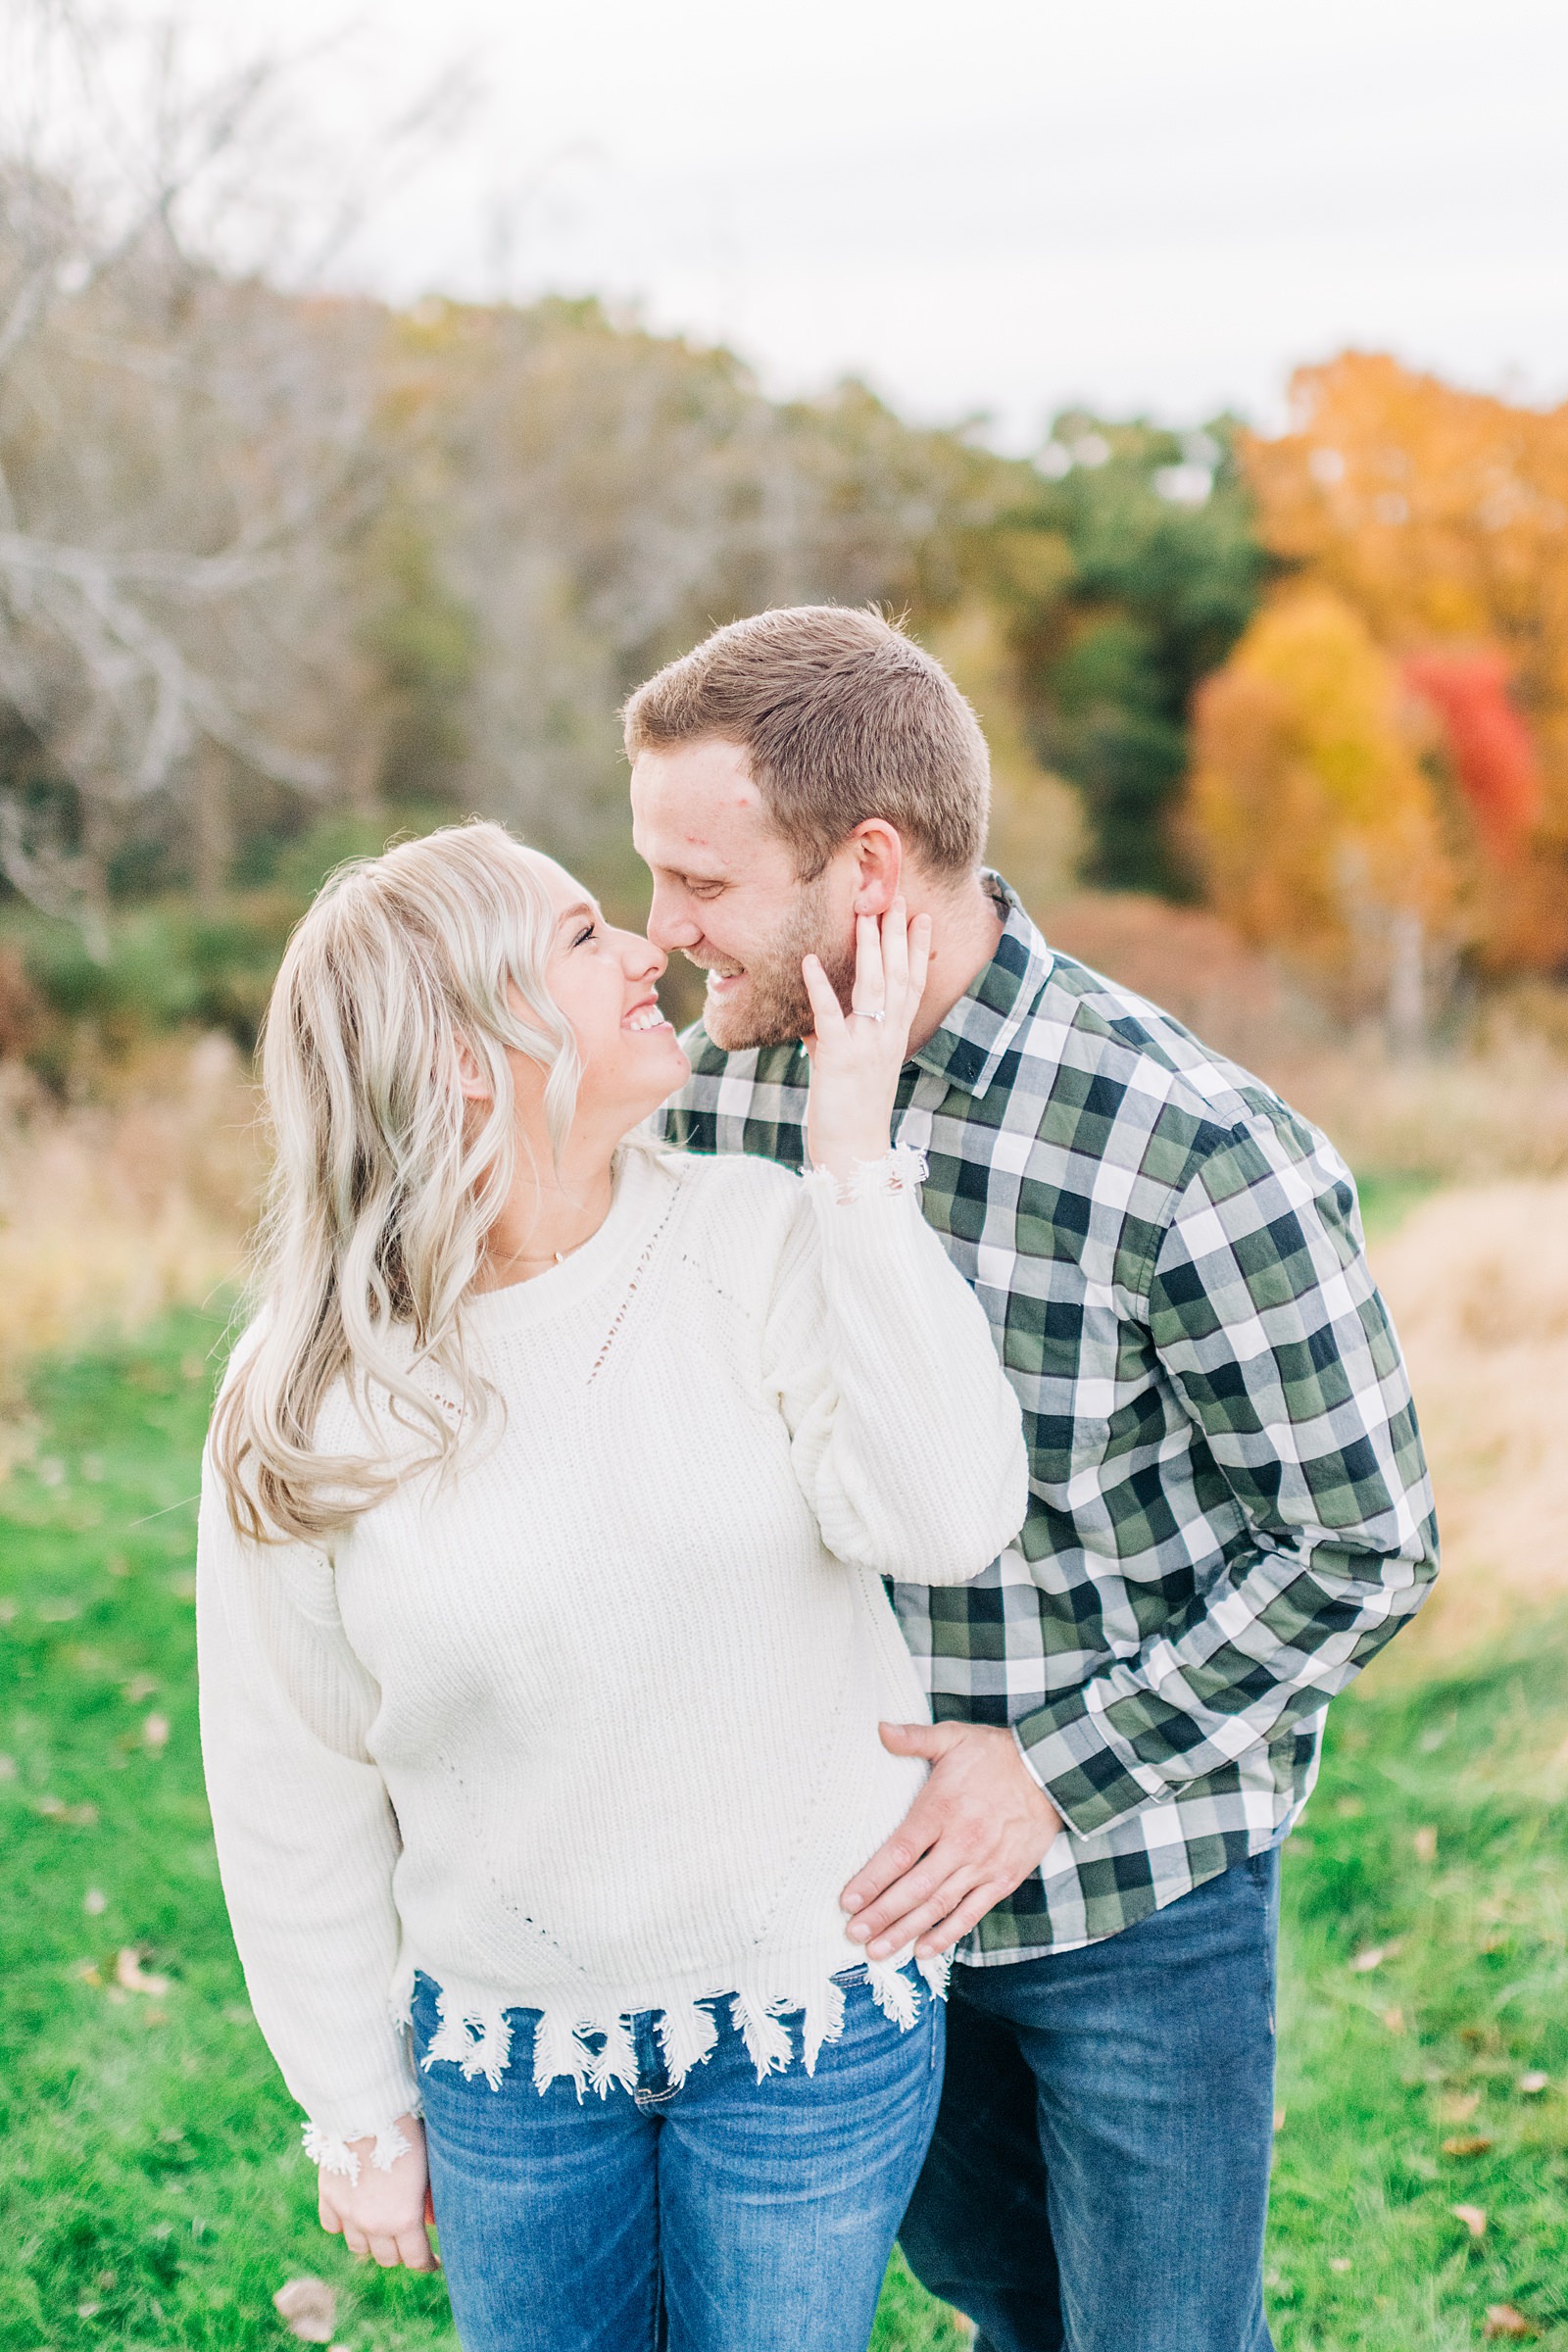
(1229, 1507)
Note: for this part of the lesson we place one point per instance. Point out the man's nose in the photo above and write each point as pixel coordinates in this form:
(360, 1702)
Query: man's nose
(670, 924)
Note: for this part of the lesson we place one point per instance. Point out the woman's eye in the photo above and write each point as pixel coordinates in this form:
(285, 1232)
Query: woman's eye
(588, 931)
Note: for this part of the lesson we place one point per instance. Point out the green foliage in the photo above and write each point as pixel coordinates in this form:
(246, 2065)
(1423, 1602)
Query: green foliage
(423, 644)
(153, 2194)
(1139, 582)
(171, 965)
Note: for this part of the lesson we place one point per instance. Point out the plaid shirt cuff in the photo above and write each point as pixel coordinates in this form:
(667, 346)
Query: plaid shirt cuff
(1092, 1779)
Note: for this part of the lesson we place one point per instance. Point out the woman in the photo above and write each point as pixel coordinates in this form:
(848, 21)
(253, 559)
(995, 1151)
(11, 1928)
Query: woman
(543, 1642)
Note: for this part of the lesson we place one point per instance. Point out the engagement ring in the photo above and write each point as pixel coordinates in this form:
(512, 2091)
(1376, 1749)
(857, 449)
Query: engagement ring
(870, 1016)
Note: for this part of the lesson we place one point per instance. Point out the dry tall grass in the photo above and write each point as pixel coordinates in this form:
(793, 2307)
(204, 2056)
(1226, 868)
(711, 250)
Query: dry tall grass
(1477, 1282)
(111, 1212)
(114, 1211)
(1492, 1102)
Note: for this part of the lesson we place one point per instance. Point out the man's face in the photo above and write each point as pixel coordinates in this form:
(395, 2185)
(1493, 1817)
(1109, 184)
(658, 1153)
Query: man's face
(727, 894)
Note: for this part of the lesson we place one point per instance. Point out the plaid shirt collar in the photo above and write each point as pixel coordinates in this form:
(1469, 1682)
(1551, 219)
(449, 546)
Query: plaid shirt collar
(967, 1046)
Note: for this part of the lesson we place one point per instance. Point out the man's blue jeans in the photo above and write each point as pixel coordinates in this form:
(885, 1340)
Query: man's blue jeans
(1098, 2178)
(729, 2216)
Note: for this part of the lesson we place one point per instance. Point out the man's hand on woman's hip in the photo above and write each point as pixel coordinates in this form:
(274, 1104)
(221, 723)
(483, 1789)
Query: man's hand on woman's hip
(980, 1824)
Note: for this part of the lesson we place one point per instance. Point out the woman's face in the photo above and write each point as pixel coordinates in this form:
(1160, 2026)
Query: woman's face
(603, 981)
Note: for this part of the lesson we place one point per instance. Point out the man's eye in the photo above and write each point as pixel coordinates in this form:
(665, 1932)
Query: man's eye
(705, 889)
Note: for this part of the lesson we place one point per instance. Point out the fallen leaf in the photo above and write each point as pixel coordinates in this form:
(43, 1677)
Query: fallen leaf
(1503, 2319)
(1531, 2085)
(88, 2311)
(1339, 2262)
(1458, 2106)
(94, 1901)
(1279, 2119)
(1467, 2143)
(134, 1977)
(1473, 2218)
(1348, 1809)
(139, 1687)
(155, 1733)
(1366, 1961)
(309, 2308)
(84, 1972)
(1424, 1843)
(75, 1817)
(1393, 2019)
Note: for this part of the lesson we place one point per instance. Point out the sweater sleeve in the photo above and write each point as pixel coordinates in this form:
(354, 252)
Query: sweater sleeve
(307, 1837)
(905, 1435)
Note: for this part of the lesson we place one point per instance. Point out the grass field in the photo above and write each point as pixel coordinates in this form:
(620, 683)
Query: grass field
(151, 2192)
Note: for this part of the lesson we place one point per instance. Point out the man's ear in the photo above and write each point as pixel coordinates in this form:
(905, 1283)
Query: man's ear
(879, 860)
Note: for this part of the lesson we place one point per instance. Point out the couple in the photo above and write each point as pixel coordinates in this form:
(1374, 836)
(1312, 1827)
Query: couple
(592, 1856)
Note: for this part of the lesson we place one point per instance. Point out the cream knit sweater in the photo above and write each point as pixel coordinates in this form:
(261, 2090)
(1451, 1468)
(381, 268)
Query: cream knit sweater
(591, 1727)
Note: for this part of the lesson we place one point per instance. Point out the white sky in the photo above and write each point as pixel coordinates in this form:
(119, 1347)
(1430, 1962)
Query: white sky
(1143, 204)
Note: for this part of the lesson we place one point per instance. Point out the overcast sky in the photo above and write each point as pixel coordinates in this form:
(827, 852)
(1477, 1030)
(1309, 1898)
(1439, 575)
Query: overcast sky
(1001, 206)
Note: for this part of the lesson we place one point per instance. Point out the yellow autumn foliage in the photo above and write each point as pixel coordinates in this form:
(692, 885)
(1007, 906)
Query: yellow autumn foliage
(1309, 812)
(1440, 518)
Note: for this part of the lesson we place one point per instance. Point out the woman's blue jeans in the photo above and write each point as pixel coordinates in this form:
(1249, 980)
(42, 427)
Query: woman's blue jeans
(727, 2216)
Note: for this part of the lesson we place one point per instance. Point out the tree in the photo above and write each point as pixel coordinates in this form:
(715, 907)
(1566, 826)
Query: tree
(1129, 567)
(1317, 829)
(182, 452)
(1441, 518)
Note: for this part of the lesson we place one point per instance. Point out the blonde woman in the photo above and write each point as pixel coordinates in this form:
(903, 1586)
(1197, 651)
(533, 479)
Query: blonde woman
(543, 1642)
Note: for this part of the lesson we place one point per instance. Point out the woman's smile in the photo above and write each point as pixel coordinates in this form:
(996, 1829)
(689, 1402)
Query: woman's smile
(644, 1016)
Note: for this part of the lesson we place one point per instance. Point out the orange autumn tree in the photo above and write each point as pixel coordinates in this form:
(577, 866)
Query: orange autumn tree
(1439, 518)
(1316, 824)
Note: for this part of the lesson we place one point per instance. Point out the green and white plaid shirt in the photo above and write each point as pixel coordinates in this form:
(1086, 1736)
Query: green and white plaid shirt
(1229, 1506)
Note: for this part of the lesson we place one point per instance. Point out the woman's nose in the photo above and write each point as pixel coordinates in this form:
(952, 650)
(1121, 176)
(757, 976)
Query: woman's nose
(642, 959)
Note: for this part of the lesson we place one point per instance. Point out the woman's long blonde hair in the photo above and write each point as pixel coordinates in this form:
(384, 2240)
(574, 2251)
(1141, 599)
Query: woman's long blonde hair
(386, 1178)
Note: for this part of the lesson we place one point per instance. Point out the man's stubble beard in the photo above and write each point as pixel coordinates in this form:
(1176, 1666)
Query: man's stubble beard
(776, 1011)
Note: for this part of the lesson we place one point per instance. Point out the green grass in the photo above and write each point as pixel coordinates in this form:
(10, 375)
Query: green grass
(151, 2195)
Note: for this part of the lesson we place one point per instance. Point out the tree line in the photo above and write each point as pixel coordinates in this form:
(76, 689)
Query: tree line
(281, 569)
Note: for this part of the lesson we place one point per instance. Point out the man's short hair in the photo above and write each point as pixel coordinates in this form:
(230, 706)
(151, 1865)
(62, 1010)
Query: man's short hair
(842, 717)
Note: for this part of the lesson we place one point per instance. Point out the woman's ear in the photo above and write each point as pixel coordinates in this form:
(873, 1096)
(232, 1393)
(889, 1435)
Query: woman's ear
(473, 1083)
